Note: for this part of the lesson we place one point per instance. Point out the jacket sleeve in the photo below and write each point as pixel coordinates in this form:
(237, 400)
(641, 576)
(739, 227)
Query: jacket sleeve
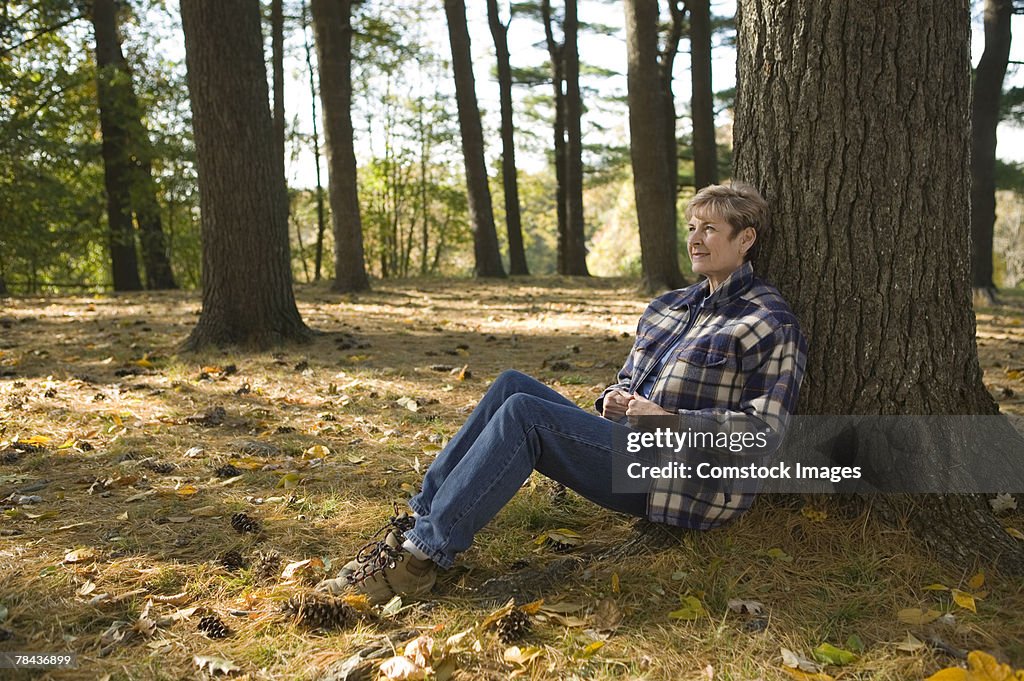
(625, 376)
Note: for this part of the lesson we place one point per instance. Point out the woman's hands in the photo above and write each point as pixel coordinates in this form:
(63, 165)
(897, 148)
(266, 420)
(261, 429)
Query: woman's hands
(619, 403)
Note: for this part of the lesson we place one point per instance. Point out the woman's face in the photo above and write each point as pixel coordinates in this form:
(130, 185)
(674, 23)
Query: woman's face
(714, 250)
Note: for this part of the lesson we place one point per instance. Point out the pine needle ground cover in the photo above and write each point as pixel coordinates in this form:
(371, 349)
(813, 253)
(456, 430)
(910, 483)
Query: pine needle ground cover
(165, 515)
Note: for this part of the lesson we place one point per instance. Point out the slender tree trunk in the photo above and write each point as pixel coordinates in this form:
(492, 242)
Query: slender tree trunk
(988, 88)
(576, 246)
(247, 279)
(332, 21)
(513, 221)
(655, 200)
(666, 65)
(277, 67)
(156, 256)
(558, 82)
(888, 313)
(321, 223)
(116, 146)
(481, 215)
(702, 99)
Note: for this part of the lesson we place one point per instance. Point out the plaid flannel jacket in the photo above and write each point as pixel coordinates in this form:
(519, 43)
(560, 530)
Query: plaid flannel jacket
(742, 361)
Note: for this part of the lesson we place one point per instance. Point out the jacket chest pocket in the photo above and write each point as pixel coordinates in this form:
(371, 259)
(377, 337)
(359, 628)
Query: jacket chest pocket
(703, 366)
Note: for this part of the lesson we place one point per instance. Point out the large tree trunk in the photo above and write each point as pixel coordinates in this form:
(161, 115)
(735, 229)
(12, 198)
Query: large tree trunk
(557, 81)
(870, 211)
(513, 221)
(702, 102)
(655, 201)
(247, 282)
(481, 214)
(988, 87)
(116, 147)
(332, 21)
(575, 241)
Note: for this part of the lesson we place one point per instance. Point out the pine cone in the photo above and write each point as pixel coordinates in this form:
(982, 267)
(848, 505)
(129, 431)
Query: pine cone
(227, 471)
(162, 467)
(320, 611)
(213, 626)
(232, 560)
(266, 565)
(242, 523)
(514, 626)
(9, 456)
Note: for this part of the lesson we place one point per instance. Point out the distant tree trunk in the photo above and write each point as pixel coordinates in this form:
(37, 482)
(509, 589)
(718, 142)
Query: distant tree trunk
(666, 65)
(132, 149)
(558, 82)
(988, 88)
(575, 242)
(702, 99)
(247, 283)
(321, 225)
(332, 21)
(277, 66)
(513, 221)
(888, 314)
(3, 285)
(481, 214)
(116, 147)
(655, 201)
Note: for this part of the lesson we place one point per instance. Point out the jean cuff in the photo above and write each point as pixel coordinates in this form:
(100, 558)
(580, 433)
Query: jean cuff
(416, 505)
(439, 557)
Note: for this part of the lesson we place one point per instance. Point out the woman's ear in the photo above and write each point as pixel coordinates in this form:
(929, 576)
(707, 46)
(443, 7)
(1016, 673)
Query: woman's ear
(747, 238)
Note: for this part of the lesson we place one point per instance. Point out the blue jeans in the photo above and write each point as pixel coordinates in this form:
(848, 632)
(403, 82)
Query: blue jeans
(520, 425)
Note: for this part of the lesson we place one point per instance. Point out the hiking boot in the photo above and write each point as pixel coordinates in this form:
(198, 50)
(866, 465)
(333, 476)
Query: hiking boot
(396, 527)
(386, 572)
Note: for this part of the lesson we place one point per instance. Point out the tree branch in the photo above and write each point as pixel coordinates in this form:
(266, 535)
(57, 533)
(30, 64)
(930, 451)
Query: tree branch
(56, 27)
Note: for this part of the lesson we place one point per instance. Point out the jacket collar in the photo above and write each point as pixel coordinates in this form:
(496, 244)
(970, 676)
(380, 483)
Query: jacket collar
(735, 285)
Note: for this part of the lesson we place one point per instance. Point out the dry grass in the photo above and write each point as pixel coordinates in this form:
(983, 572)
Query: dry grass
(59, 380)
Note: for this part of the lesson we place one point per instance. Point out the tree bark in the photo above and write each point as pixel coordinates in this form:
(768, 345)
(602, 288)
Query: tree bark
(481, 214)
(513, 221)
(116, 147)
(332, 21)
(869, 208)
(988, 88)
(277, 68)
(575, 226)
(702, 101)
(666, 66)
(247, 281)
(555, 50)
(655, 201)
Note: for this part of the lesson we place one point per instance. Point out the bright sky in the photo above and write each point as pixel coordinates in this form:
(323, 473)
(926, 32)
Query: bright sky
(602, 51)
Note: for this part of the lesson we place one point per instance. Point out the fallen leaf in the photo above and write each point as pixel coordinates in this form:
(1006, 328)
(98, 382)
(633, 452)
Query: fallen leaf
(692, 609)
(1001, 503)
(215, 665)
(316, 452)
(84, 590)
(80, 555)
(420, 650)
(748, 607)
(964, 600)
(829, 654)
(779, 554)
(523, 656)
(1015, 533)
(401, 668)
(607, 616)
(561, 607)
(392, 607)
(177, 599)
(910, 644)
(592, 648)
(936, 587)
(793, 661)
(302, 570)
(289, 480)
(207, 511)
(187, 490)
(408, 403)
(140, 496)
(814, 514)
(976, 582)
(917, 615)
(807, 676)
(616, 586)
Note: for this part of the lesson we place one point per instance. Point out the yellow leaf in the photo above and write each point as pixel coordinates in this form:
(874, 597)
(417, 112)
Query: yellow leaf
(80, 555)
(984, 667)
(807, 676)
(1015, 533)
(936, 587)
(917, 615)
(38, 440)
(951, 674)
(187, 490)
(591, 649)
(779, 554)
(144, 363)
(813, 513)
(692, 609)
(964, 600)
(288, 480)
(316, 452)
(533, 607)
(616, 587)
(977, 581)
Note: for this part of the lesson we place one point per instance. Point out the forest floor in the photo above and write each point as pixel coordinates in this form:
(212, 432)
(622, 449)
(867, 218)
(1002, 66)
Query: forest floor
(116, 537)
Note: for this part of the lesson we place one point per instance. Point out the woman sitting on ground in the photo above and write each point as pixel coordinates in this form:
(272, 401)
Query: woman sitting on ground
(727, 346)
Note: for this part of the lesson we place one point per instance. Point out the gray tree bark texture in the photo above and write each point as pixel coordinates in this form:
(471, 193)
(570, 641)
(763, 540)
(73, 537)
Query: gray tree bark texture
(116, 148)
(857, 131)
(655, 200)
(510, 180)
(702, 99)
(481, 213)
(988, 89)
(332, 21)
(247, 280)
(575, 226)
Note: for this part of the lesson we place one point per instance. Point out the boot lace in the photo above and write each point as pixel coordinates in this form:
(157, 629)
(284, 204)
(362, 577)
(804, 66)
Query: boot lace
(378, 555)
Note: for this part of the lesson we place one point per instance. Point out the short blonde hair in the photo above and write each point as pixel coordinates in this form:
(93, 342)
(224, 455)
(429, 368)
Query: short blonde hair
(739, 204)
